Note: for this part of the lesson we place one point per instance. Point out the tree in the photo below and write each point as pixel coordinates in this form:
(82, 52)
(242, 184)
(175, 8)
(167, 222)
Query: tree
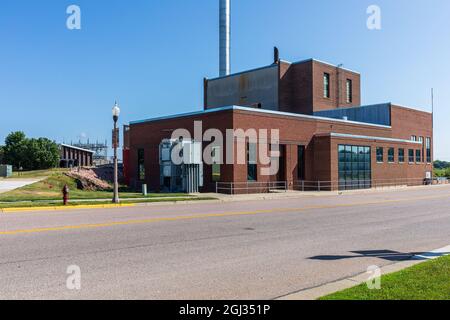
(41, 154)
(30, 154)
(15, 149)
(2, 155)
(438, 164)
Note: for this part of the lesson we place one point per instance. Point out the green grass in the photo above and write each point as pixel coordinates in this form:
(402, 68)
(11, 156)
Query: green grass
(36, 173)
(50, 189)
(426, 281)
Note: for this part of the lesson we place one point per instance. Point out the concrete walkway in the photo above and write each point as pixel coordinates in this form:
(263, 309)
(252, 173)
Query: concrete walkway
(290, 194)
(11, 184)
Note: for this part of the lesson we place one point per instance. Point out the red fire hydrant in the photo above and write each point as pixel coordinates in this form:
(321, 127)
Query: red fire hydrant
(65, 192)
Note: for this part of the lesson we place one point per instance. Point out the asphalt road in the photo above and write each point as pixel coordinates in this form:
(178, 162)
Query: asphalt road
(235, 250)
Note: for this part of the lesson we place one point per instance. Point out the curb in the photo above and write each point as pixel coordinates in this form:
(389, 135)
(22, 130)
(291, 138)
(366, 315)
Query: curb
(350, 282)
(61, 208)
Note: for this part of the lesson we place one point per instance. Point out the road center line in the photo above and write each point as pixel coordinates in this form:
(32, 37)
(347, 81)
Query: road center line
(211, 215)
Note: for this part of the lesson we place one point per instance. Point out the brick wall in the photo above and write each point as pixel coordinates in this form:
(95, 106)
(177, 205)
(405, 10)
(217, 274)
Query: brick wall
(320, 103)
(321, 162)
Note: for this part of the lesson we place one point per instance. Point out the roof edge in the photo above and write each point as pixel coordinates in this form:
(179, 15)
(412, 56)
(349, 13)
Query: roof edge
(261, 111)
(76, 148)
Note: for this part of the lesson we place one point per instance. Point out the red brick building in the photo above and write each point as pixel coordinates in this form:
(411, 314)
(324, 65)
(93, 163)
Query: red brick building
(327, 140)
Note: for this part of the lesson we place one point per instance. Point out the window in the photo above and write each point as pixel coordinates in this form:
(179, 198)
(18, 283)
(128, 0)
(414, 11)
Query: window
(401, 155)
(215, 155)
(418, 156)
(428, 149)
(413, 138)
(326, 85)
(354, 165)
(252, 167)
(422, 152)
(380, 154)
(301, 163)
(141, 164)
(349, 91)
(411, 156)
(391, 156)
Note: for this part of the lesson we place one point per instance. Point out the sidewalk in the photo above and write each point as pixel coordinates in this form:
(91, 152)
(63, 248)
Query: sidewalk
(300, 194)
(15, 183)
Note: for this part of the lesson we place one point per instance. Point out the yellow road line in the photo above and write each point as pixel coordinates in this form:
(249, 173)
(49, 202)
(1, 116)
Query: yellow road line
(211, 215)
(62, 208)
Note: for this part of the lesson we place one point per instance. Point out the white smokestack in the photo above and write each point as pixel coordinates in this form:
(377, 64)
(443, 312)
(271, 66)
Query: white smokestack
(225, 37)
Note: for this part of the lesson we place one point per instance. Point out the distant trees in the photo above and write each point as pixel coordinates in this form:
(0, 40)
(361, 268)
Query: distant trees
(442, 168)
(2, 155)
(30, 154)
(438, 164)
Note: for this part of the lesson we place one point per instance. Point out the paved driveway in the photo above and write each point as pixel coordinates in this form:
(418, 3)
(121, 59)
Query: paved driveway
(11, 184)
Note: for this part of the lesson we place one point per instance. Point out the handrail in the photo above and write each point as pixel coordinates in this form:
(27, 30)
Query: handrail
(321, 185)
(251, 186)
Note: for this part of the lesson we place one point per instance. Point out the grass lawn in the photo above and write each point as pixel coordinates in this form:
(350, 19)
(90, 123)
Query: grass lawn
(36, 173)
(426, 281)
(50, 189)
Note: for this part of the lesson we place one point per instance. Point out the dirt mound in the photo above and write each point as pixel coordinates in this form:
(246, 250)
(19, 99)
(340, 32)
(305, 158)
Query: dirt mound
(88, 179)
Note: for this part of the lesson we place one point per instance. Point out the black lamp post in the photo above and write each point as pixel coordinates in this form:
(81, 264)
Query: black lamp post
(116, 113)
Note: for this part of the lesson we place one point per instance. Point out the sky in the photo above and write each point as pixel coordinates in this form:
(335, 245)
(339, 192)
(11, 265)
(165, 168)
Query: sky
(152, 56)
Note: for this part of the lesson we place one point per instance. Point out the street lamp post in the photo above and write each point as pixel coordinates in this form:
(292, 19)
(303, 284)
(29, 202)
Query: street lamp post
(116, 113)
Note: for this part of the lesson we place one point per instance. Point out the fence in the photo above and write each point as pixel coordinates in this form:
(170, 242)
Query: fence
(363, 184)
(251, 187)
(267, 187)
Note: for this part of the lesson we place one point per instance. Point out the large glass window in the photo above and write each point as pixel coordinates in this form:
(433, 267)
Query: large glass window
(401, 155)
(141, 164)
(380, 154)
(418, 156)
(391, 155)
(428, 149)
(252, 167)
(326, 85)
(354, 167)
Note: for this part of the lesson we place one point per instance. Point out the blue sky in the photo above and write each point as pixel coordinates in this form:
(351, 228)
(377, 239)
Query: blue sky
(152, 55)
